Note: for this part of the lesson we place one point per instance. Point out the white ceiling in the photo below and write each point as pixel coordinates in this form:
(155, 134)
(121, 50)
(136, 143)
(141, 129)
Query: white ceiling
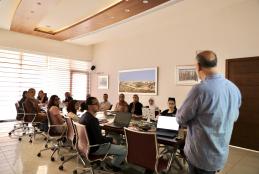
(7, 10)
(69, 12)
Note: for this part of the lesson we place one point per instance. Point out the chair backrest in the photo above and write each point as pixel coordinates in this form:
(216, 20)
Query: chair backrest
(27, 116)
(54, 118)
(20, 111)
(82, 141)
(70, 130)
(142, 148)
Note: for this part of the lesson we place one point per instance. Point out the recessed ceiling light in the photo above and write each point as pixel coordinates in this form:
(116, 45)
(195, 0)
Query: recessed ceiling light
(127, 10)
(145, 1)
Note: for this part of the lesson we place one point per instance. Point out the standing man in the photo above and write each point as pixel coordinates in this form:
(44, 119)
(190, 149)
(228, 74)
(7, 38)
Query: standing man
(209, 112)
(105, 105)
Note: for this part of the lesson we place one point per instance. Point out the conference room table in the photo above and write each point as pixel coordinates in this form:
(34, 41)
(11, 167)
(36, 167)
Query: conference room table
(175, 144)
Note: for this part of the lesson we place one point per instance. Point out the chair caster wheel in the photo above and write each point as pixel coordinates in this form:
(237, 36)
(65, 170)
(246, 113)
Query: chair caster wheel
(30, 141)
(62, 158)
(75, 172)
(20, 139)
(52, 159)
(46, 145)
(39, 154)
(9, 133)
(60, 167)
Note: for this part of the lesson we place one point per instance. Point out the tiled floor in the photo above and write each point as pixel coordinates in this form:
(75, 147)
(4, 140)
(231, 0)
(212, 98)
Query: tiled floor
(21, 158)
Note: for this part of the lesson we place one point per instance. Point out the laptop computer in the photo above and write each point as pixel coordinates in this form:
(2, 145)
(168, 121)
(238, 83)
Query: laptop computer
(149, 113)
(122, 119)
(167, 127)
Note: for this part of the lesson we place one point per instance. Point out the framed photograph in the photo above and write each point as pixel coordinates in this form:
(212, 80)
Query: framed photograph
(138, 81)
(186, 75)
(103, 82)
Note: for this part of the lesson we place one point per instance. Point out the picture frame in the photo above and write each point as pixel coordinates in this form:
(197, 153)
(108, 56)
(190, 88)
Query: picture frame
(103, 82)
(138, 81)
(186, 75)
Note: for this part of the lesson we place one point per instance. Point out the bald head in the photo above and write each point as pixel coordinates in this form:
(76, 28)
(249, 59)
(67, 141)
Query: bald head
(207, 59)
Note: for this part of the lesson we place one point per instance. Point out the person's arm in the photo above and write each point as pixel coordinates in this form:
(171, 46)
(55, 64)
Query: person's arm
(189, 107)
(96, 131)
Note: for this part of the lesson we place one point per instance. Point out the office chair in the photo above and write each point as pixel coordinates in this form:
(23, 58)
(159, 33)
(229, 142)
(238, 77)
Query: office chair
(146, 154)
(55, 134)
(70, 136)
(20, 124)
(30, 118)
(83, 149)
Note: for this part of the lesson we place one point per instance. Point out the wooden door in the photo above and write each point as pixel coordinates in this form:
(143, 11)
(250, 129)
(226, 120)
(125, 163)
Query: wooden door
(244, 72)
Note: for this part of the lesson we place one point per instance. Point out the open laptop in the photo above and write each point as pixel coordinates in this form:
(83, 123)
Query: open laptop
(149, 113)
(167, 127)
(122, 119)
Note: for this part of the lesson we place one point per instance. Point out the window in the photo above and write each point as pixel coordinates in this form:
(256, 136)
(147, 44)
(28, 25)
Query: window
(21, 71)
(79, 85)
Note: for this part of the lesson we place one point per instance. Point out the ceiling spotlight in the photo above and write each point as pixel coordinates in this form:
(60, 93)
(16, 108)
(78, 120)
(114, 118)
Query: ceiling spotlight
(127, 10)
(145, 1)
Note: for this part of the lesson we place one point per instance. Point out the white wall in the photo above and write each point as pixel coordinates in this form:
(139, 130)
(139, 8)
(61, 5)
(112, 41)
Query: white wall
(171, 36)
(23, 42)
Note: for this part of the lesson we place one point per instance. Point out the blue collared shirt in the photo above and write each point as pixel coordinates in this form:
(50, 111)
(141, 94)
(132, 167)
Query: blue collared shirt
(209, 112)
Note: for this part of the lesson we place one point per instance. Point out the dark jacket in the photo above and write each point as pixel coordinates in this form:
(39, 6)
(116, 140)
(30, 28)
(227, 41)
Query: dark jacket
(137, 110)
(165, 113)
(93, 131)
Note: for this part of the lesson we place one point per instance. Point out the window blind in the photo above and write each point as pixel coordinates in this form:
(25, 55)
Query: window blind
(21, 71)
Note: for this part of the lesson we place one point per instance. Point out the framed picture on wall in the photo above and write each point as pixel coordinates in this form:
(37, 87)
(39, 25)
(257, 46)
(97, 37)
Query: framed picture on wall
(186, 75)
(103, 82)
(138, 81)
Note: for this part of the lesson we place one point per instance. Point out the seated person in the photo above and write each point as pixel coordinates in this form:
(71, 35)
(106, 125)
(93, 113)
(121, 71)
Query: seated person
(136, 107)
(105, 105)
(20, 110)
(42, 97)
(31, 105)
(122, 105)
(72, 108)
(172, 108)
(95, 135)
(24, 96)
(54, 114)
(83, 107)
(152, 105)
(68, 98)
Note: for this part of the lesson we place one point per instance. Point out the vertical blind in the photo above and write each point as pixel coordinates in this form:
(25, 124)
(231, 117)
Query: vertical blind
(21, 71)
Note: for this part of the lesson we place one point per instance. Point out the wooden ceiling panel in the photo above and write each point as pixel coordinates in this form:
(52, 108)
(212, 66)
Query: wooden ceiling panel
(29, 14)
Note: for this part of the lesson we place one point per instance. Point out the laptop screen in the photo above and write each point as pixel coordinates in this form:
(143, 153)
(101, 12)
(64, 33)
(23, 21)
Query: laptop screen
(166, 122)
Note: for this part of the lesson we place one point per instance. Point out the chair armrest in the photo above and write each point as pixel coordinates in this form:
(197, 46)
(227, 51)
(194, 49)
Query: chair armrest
(96, 145)
(57, 125)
